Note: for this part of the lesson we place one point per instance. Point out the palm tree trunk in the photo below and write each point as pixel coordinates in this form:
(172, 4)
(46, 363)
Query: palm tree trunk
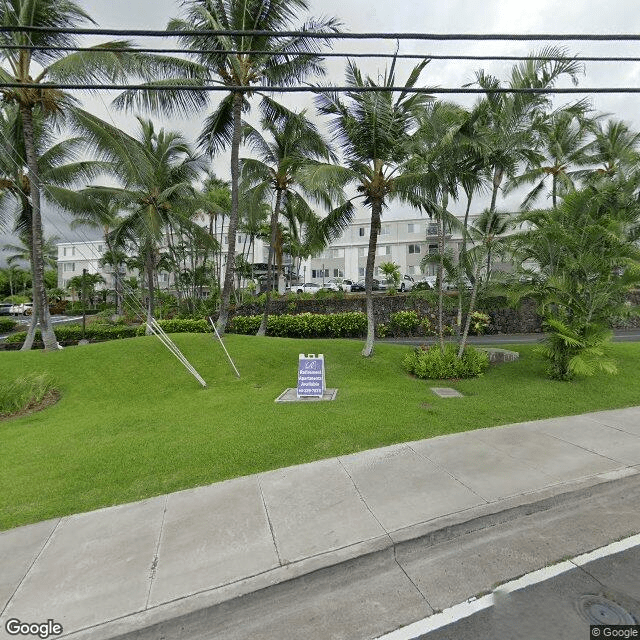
(223, 318)
(472, 302)
(441, 272)
(275, 215)
(40, 302)
(149, 268)
(376, 213)
(498, 173)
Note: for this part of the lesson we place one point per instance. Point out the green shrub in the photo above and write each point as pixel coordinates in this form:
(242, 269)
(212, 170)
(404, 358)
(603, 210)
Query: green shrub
(7, 324)
(73, 333)
(352, 324)
(180, 326)
(245, 325)
(479, 322)
(431, 363)
(382, 330)
(406, 322)
(24, 393)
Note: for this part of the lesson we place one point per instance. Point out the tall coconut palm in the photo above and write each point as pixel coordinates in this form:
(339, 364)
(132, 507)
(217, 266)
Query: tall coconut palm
(563, 141)
(242, 61)
(508, 118)
(157, 170)
(373, 130)
(287, 152)
(39, 66)
(60, 167)
(614, 149)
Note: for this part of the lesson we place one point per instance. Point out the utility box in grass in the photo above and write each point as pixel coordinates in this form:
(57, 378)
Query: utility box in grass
(311, 382)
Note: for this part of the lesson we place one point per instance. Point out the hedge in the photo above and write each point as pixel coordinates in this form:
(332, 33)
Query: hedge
(7, 324)
(431, 363)
(98, 332)
(351, 324)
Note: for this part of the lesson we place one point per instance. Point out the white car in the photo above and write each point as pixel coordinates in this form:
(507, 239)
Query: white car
(308, 287)
(406, 283)
(338, 284)
(24, 309)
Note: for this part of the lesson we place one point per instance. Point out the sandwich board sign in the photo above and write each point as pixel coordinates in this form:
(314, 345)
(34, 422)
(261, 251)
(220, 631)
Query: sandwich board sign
(310, 375)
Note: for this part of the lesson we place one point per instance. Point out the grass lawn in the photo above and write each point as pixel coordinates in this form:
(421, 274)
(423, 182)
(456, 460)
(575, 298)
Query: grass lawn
(132, 423)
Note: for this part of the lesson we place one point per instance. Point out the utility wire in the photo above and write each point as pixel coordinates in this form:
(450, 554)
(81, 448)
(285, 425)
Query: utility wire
(326, 54)
(598, 37)
(315, 89)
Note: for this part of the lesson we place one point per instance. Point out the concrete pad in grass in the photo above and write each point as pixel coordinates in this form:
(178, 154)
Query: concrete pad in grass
(211, 536)
(403, 488)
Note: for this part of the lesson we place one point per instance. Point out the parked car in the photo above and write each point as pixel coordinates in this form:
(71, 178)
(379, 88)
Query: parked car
(308, 287)
(406, 283)
(5, 309)
(360, 286)
(384, 284)
(332, 285)
(347, 285)
(23, 309)
(425, 284)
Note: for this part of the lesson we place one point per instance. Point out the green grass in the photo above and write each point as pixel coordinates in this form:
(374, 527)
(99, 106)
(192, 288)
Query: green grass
(132, 423)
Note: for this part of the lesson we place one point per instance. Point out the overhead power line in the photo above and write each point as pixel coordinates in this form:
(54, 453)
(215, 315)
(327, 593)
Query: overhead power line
(316, 89)
(328, 54)
(559, 37)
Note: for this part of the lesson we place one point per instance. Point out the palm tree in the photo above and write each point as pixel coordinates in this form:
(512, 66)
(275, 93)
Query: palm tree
(243, 61)
(43, 64)
(157, 170)
(446, 156)
(563, 142)
(60, 166)
(293, 148)
(374, 130)
(614, 148)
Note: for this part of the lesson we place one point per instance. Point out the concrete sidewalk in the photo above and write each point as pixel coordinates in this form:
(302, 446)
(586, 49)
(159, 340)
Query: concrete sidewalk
(107, 572)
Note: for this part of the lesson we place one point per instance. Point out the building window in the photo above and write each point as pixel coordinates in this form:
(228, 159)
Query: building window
(433, 248)
(412, 227)
(337, 253)
(414, 248)
(337, 273)
(361, 232)
(432, 229)
(362, 252)
(64, 251)
(100, 248)
(385, 230)
(73, 251)
(384, 250)
(318, 273)
(361, 272)
(69, 266)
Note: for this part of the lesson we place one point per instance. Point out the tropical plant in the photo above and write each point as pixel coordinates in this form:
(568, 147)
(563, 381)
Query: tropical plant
(391, 272)
(374, 129)
(587, 257)
(47, 56)
(240, 61)
(157, 170)
(289, 148)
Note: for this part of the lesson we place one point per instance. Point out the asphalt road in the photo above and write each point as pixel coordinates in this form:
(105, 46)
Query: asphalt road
(604, 593)
(515, 338)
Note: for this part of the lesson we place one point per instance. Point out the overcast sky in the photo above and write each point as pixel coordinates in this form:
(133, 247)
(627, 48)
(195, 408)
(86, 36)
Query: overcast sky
(437, 16)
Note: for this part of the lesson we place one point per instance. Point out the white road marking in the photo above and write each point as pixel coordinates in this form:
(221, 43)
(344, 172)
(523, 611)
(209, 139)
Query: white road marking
(468, 608)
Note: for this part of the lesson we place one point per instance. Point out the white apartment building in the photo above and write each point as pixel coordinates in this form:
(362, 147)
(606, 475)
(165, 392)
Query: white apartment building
(404, 242)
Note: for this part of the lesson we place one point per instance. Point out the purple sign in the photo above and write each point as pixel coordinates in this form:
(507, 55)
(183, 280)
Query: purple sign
(310, 375)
